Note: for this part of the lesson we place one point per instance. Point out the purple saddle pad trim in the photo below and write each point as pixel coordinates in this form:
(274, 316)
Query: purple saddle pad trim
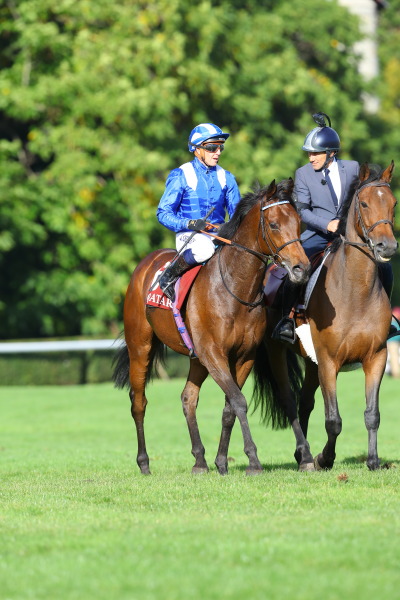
(181, 325)
(274, 282)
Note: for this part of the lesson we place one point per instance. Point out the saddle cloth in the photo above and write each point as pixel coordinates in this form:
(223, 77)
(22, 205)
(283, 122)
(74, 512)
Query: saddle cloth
(158, 299)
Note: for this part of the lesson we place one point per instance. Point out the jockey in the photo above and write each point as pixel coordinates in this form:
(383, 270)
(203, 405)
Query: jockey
(191, 192)
(321, 186)
(320, 189)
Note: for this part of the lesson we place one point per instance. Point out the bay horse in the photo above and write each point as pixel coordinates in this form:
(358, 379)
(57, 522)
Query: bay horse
(224, 314)
(349, 315)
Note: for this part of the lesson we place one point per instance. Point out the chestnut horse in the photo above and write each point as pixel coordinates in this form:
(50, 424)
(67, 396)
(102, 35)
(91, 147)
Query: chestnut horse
(224, 314)
(349, 315)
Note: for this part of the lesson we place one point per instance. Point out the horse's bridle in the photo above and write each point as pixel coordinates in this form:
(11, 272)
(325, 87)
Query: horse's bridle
(274, 252)
(267, 238)
(366, 231)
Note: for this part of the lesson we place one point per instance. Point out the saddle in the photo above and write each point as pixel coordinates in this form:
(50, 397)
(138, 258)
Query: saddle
(157, 299)
(274, 290)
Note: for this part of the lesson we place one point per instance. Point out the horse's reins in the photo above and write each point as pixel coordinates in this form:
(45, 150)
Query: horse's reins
(369, 243)
(263, 257)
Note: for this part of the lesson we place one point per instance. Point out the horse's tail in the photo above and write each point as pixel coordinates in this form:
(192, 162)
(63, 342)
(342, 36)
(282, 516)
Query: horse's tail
(121, 363)
(266, 394)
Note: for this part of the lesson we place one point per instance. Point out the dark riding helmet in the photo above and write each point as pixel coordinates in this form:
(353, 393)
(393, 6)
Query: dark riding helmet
(322, 138)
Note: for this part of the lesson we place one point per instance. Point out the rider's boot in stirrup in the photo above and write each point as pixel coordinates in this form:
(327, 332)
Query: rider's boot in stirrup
(170, 276)
(284, 330)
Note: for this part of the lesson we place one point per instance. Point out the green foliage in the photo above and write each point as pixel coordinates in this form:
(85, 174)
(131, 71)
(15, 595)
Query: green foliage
(96, 103)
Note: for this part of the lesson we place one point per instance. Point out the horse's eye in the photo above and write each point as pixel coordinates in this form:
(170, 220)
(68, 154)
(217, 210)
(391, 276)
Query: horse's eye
(364, 204)
(274, 226)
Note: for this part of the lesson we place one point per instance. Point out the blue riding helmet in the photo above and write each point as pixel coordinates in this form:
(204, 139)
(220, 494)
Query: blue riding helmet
(322, 139)
(204, 132)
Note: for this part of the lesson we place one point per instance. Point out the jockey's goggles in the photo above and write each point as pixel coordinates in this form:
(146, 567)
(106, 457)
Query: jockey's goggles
(212, 147)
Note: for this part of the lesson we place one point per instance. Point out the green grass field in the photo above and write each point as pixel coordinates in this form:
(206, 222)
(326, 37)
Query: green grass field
(79, 522)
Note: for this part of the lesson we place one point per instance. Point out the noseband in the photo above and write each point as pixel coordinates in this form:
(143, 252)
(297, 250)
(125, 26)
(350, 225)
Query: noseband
(267, 237)
(274, 252)
(366, 231)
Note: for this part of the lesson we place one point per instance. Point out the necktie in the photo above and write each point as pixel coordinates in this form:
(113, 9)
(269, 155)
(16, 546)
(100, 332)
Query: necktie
(330, 186)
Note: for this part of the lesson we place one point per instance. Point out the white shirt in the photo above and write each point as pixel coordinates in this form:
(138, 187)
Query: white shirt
(334, 175)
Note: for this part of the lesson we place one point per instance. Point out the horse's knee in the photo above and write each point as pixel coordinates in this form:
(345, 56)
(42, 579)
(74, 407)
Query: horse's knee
(228, 416)
(372, 419)
(333, 426)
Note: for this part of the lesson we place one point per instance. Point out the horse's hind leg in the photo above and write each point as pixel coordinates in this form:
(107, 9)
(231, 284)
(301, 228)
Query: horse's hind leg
(283, 374)
(190, 398)
(373, 370)
(140, 354)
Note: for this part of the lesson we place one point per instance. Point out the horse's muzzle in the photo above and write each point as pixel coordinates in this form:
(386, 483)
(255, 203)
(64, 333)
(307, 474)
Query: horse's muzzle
(383, 251)
(300, 273)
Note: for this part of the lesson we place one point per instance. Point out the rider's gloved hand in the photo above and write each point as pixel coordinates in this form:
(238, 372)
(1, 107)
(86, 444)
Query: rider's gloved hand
(196, 224)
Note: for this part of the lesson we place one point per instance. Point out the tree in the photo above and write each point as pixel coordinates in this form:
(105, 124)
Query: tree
(96, 103)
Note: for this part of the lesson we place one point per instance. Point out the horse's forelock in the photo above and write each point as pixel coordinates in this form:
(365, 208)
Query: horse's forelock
(285, 190)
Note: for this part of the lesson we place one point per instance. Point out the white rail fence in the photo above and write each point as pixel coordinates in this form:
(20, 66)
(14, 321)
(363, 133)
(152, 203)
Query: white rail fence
(58, 346)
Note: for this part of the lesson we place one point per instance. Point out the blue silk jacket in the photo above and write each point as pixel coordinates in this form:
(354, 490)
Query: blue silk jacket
(192, 190)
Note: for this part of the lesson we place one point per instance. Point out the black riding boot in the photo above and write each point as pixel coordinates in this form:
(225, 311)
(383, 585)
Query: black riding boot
(284, 330)
(385, 272)
(170, 276)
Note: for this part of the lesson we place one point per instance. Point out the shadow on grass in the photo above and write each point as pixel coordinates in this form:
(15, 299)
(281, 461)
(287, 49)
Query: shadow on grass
(362, 459)
(268, 467)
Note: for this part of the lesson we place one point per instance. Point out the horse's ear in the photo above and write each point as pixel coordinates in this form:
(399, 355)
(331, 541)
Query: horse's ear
(387, 173)
(271, 188)
(364, 172)
(290, 185)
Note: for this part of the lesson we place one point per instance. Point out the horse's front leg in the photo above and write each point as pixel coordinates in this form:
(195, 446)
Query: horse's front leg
(190, 398)
(373, 369)
(307, 396)
(228, 420)
(222, 376)
(327, 372)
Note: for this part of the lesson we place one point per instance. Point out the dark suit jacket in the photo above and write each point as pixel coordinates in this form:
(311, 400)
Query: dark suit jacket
(315, 203)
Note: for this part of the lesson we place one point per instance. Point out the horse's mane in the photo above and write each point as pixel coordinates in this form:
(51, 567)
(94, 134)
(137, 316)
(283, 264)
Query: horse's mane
(284, 192)
(375, 175)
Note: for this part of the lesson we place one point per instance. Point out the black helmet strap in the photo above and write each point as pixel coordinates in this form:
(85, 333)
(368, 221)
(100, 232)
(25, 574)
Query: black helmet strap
(329, 158)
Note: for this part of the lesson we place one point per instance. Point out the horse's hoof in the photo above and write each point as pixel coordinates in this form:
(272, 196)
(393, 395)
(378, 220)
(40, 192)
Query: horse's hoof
(307, 467)
(252, 472)
(373, 465)
(199, 470)
(222, 470)
(320, 464)
(145, 471)
(317, 465)
(222, 467)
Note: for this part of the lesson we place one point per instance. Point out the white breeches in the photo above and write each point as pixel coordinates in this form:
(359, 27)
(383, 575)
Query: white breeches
(201, 245)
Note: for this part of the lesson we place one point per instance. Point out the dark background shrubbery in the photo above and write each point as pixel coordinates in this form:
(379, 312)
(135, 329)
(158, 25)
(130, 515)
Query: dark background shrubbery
(73, 368)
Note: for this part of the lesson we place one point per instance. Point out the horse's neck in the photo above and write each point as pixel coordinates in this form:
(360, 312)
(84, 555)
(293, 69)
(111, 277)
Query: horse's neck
(355, 264)
(246, 270)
